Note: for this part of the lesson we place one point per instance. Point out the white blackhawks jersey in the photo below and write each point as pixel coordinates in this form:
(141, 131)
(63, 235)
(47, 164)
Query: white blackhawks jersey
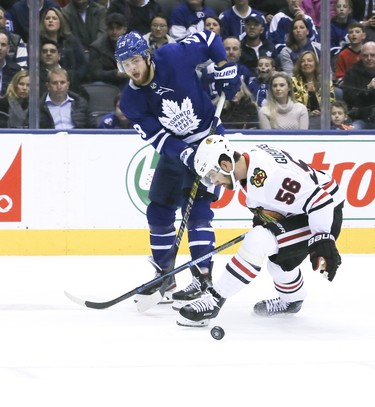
(278, 182)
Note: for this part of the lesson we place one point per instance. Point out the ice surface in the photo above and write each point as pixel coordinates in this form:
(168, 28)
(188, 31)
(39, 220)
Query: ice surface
(56, 353)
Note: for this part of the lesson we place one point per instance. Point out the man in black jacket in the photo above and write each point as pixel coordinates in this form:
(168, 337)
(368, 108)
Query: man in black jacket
(60, 108)
(102, 62)
(359, 89)
(138, 13)
(7, 68)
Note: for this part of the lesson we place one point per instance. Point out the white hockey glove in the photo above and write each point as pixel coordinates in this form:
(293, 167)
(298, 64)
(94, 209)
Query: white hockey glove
(187, 157)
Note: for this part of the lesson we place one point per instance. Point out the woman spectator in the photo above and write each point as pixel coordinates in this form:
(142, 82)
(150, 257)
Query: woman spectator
(158, 35)
(212, 23)
(54, 27)
(240, 112)
(280, 110)
(15, 102)
(298, 41)
(307, 86)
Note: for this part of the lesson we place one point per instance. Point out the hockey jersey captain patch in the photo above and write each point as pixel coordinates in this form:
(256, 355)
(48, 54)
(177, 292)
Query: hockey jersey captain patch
(258, 178)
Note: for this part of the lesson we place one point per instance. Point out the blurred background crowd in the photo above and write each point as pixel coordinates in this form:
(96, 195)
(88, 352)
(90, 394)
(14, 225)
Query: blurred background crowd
(276, 44)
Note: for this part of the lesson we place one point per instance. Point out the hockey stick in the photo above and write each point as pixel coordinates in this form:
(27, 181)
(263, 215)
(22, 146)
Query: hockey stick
(155, 281)
(147, 301)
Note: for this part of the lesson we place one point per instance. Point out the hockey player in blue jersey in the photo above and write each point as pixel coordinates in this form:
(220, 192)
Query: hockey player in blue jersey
(170, 110)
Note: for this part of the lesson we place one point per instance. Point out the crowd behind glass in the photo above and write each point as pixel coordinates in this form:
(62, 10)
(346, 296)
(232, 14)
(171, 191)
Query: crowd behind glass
(276, 45)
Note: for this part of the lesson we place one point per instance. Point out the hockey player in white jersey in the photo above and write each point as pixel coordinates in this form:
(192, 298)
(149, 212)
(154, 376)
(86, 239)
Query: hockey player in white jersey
(168, 107)
(297, 212)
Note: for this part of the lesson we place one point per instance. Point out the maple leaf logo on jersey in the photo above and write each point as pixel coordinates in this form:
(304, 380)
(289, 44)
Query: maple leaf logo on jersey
(180, 120)
(258, 178)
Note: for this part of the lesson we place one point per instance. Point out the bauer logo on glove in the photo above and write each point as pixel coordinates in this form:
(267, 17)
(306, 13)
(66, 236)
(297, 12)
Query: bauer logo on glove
(227, 80)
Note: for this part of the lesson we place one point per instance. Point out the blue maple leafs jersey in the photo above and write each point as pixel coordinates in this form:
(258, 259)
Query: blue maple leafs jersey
(173, 110)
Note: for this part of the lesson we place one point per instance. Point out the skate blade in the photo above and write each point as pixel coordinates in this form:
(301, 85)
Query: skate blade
(192, 324)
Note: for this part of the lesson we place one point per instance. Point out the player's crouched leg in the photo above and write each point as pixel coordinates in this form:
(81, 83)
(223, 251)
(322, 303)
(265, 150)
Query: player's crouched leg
(242, 268)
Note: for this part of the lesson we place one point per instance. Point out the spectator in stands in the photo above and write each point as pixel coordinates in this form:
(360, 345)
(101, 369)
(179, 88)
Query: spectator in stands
(60, 108)
(116, 119)
(259, 84)
(240, 112)
(351, 52)
(188, 18)
(7, 68)
(233, 19)
(313, 9)
(102, 62)
(158, 35)
(339, 25)
(281, 22)
(298, 41)
(212, 23)
(307, 86)
(359, 89)
(268, 7)
(49, 58)
(138, 13)
(17, 48)
(20, 15)
(86, 20)
(15, 102)
(280, 110)
(253, 46)
(339, 116)
(54, 27)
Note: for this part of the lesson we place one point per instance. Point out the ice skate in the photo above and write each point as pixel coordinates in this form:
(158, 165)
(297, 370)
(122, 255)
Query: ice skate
(199, 312)
(194, 290)
(276, 306)
(169, 287)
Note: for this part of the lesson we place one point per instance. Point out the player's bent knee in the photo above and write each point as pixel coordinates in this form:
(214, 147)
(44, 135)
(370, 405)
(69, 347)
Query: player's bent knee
(258, 244)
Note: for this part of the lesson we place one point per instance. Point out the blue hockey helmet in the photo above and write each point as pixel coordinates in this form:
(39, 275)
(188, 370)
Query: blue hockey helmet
(130, 45)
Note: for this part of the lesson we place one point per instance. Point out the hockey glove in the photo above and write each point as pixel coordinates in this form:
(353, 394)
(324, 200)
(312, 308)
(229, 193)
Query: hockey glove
(323, 246)
(227, 80)
(187, 157)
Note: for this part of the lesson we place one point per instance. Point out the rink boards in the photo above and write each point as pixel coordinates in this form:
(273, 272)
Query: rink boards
(82, 193)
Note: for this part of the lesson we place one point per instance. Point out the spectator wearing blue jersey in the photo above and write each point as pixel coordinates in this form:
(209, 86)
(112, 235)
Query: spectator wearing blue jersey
(281, 22)
(188, 18)
(259, 84)
(298, 41)
(116, 119)
(233, 19)
(169, 109)
(254, 46)
(17, 48)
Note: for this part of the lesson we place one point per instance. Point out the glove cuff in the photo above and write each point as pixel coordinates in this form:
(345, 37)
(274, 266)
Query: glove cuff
(227, 71)
(320, 237)
(185, 155)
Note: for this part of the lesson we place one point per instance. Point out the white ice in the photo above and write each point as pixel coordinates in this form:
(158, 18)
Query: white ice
(56, 353)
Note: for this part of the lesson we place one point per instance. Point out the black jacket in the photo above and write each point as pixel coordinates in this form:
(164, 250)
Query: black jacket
(360, 100)
(80, 113)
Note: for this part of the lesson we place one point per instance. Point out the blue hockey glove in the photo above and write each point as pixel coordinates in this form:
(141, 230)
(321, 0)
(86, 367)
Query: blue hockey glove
(187, 157)
(227, 80)
(323, 247)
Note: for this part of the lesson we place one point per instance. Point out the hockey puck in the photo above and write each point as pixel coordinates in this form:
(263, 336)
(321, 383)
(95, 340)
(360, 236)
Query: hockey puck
(217, 332)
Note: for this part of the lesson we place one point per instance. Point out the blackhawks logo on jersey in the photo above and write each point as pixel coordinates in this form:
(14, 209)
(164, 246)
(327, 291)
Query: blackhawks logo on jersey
(258, 178)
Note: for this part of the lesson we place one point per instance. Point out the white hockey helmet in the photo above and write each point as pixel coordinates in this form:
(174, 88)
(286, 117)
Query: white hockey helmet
(207, 157)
